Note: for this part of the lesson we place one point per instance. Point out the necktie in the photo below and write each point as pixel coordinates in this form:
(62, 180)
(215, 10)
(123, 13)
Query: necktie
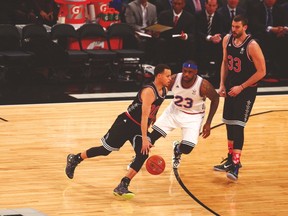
(232, 14)
(269, 17)
(176, 20)
(209, 25)
(197, 6)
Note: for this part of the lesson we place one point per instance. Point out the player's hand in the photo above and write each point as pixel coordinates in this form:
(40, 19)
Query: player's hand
(206, 130)
(222, 91)
(146, 145)
(235, 90)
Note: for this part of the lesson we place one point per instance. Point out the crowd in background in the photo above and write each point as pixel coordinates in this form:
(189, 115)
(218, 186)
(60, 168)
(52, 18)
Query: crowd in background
(197, 28)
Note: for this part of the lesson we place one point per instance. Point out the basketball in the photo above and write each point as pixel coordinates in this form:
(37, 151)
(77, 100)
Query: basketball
(155, 165)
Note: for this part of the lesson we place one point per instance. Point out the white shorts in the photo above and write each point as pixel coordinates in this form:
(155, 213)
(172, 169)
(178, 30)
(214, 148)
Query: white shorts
(172, 118)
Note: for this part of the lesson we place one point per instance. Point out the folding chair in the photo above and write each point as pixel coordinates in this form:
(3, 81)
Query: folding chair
(129, 56)
(67, 37)
(93, 40)
(11, 52)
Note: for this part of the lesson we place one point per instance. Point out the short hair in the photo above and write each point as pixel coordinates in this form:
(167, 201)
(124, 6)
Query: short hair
(241, 18)
(160, 69)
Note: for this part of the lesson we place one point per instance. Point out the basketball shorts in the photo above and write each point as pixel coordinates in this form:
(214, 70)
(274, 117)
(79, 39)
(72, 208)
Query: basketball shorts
(122, 130)
(237, 109)
(173, 118)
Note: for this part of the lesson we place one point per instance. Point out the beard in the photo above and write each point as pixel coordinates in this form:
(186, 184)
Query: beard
(235, 35)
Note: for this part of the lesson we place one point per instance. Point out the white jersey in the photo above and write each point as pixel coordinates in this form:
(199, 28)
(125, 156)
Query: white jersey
(188, 100)
(186, 111)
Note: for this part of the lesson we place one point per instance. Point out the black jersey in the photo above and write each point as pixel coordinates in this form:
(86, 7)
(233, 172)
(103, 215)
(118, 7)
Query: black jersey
(240, 65)
(134, 110)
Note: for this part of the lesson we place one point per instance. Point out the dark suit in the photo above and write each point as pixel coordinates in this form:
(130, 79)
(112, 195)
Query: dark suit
(207, 51)
(190, 7)
(274, 48)
(162, 5)
(175, 49)
(224, 11)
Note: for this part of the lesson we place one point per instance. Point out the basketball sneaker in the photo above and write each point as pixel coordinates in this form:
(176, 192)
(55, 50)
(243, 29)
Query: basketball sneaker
(225, 165)
(72, 162)
(176, 155)
(232, 174)
(122, 191)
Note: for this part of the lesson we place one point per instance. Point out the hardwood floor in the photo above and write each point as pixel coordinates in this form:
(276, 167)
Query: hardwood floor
(35, 140)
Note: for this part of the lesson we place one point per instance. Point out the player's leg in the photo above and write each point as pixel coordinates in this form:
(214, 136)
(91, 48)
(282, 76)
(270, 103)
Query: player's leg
(190, 126)
(243, 104)
(122, 189)
(112, 141)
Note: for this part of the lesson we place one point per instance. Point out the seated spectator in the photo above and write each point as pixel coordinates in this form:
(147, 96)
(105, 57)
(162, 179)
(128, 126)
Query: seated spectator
(194, 6)
(47, 11)
(228, 11)
(162, 5)
(23, 12)
(269, 26)
(210, 31)
(182, 47)
(140, 14)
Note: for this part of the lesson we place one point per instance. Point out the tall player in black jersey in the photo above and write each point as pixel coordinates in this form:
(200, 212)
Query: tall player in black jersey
(243, 65)
(130, 125)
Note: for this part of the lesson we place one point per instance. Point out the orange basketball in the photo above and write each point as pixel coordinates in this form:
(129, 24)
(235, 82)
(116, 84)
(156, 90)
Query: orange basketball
(155, 165)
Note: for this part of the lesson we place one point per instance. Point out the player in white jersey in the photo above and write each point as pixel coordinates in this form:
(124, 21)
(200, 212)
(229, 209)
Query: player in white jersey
(187, 110)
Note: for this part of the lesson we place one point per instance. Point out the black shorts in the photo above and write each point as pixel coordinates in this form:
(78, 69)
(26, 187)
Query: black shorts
(122, 130)
(237, 109)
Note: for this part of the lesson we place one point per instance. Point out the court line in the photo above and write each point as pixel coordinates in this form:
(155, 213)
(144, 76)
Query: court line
(177, 176)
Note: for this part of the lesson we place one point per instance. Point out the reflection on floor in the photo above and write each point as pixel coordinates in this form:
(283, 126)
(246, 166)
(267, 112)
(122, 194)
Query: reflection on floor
(17, 88)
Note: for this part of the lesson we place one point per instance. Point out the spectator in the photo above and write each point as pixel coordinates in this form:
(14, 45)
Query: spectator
(194, 6)
(162, 5)
(177, 49)
(271, 31)
(47, 11)
(23, 12)
(228, 11)
(209, 38)
(140, 14)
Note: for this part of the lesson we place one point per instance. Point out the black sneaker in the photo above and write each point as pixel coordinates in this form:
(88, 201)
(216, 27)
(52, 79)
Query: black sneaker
(226, 164)
(122, 191)
(176, 159)
(72, 163)
(232, 174)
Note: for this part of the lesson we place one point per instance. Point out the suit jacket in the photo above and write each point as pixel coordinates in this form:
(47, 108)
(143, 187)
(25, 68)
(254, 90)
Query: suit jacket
(217, 26)
(190, 7)
(207, 50)
(186, 23)
(258, 20)
(162, 5)
(224, 11)
(177, 49)
(133, 14)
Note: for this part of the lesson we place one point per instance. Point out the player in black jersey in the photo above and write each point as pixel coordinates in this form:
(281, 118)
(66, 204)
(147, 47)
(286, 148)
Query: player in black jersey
(131, 125)
(243, 65)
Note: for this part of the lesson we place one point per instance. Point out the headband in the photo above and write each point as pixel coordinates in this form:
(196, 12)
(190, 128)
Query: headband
(190, 65)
